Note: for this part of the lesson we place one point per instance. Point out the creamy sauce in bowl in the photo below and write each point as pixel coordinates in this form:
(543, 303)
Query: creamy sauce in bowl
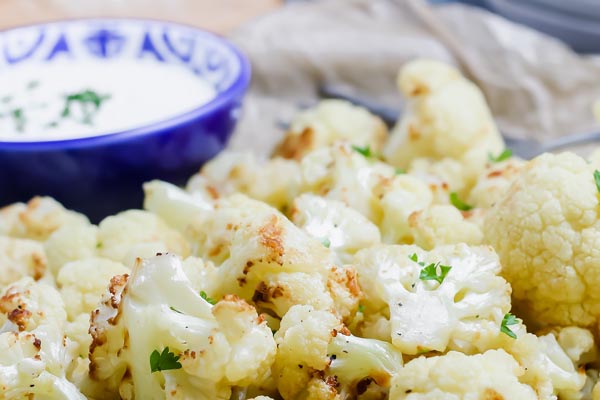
(67, 100)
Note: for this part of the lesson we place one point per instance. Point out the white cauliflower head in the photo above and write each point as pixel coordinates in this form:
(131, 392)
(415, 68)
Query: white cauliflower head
(136, 233)
(20, 258)
(455, 376)
(317, 354)
(38, 219)
(36, 357)
(155, 337)
(275, 181)
(546, 230)
(446, 117)
(69, 243)
(83, 282)
(337, 226)
(328, 122)
(448, 299)
(263, 257)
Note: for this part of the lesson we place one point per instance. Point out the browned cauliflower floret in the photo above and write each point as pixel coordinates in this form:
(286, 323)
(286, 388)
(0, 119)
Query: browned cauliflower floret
(447, 117)
(328, 122)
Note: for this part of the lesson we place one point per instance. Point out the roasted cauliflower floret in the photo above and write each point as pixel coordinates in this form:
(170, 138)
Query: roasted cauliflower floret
(35, 355)
(38, 219)
(71, 243)
(337, 226)
(316, 354)
(83, 282)
(455, 376)
(276, 181)
(155, 337)
(20, 258)
(263, 257)
(447, 117)
(493, 183)
(443, 224)
(137, 233)
(546, 231)
(328, 122)
(448, 299)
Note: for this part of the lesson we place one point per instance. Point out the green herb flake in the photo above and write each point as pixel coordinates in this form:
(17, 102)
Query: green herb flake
(361, 308)
(163, 361)
(597, 179)
(33, 85)
(509, 319)
(365, 151)
(399, 171)
(458, 203)
(89, 101)
(19, 119)
(6, 99)
(415, 258)
(326, 242)
(505, 155)
(206, 298)
(430, 272)
(176, 310)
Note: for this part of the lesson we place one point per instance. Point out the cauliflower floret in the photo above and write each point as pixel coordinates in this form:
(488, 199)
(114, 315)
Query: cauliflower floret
(35, 355)
(136, 233)
(371, 187)
(175, 206)
(317, 358)
(24, 369)
(20, 258)
(328, 122)
(447, 117)
(275, 182)
(263, 257)
(578, 344)
(70, 243)
(155, 337)
(442, 224)
(41, 217)
(494, 182)
(455, 376)
(336, 225)
(442, 176)
(464, 312)
(546, 230)
(83, 282)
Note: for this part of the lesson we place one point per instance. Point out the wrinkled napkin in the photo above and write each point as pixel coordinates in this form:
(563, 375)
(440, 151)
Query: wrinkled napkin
(535, 85)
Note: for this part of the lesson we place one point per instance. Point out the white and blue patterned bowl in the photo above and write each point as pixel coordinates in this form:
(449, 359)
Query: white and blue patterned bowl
(102, 174)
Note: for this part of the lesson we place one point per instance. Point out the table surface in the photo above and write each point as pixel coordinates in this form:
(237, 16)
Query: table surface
(219, 16)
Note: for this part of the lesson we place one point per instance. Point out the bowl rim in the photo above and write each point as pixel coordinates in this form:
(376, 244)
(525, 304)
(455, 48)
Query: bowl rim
(237, 88)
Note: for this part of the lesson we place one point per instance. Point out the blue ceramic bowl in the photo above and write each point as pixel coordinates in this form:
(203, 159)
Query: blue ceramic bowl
(100, 175)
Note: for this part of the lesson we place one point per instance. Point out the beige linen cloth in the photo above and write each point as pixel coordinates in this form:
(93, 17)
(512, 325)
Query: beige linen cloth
(535, 85)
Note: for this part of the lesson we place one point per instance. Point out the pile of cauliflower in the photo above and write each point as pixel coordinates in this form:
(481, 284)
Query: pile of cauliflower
(356, 263)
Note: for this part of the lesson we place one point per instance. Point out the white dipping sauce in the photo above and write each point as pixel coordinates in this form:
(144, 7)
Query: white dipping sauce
(130, 94)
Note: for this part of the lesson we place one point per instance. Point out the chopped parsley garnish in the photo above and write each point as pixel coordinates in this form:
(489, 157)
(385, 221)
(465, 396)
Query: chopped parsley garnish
(458, 203)
(415, 258)
(326, 242)
(176, 310)
(206, 298)
(33, 85)
(430, 272)
(164, 361)
(505, 155)
(89, 101)
(399, 171)
(19, 117)
(365, 151)
(361, 308)
(509, 319)
(597, 179)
